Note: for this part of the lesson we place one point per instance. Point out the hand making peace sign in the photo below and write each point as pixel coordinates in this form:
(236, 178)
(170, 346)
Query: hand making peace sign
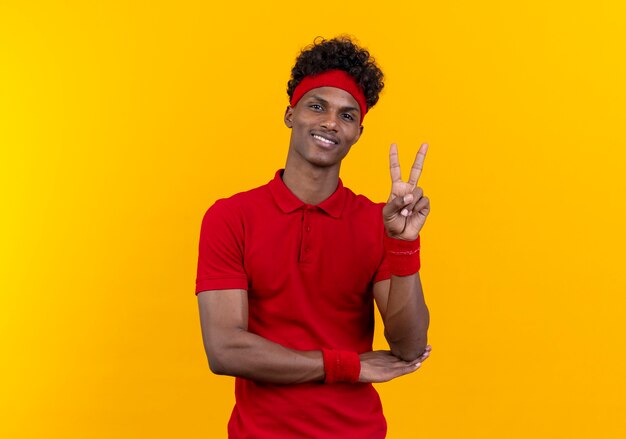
(406, 210)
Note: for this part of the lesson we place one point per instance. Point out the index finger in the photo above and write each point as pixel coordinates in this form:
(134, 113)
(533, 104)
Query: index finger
(418, 164)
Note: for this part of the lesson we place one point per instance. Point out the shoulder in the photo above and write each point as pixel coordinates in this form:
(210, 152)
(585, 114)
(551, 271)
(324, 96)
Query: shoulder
(361, 203)
(235, 205)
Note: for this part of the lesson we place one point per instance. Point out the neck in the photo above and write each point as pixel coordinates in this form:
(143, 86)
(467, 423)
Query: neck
(310, 184)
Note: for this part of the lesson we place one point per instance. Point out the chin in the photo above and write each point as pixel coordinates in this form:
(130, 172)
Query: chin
(324, 160)
(320, 163)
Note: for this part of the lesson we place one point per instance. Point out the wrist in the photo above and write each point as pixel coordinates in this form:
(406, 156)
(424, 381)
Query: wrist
(403, 255)
(341, 366)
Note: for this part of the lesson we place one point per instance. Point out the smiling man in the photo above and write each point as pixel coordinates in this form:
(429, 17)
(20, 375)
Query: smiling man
(288, 273)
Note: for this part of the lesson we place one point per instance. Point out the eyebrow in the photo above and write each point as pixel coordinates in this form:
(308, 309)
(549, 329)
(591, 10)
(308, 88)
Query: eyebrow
(324, 101)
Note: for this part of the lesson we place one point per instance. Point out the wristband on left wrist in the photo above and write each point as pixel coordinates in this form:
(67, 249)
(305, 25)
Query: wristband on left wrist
(403, 256)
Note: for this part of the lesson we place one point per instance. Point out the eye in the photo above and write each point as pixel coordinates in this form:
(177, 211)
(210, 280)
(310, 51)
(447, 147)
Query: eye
(315, 106)
(348, 116)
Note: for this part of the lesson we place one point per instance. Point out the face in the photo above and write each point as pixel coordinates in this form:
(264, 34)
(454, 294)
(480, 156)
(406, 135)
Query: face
(325, 123)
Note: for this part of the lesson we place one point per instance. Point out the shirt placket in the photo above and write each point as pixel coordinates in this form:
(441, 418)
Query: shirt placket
(306, 241)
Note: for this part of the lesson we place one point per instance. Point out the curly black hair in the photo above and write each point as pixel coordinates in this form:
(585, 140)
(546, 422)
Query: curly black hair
(343, 54)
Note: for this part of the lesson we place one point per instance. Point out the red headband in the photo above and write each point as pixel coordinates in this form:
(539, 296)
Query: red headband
(331, 78)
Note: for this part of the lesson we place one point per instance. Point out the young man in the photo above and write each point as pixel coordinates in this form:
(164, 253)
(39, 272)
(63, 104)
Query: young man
(288, 272)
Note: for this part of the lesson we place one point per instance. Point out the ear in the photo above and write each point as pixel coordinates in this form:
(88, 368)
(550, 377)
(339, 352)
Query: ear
(360, 133)
(289, 116)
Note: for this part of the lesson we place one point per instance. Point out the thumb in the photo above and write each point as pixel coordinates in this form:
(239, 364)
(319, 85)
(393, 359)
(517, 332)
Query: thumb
(397, 205)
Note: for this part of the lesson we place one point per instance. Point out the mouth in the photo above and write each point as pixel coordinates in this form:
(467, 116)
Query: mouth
(325, 139)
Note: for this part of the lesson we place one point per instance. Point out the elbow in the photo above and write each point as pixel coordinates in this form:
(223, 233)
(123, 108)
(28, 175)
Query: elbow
(216, 366)
(225, 358)
(408, 357)
(218, 360)
(408, 348)
(224, 364)
(411, 353)
(222, 349)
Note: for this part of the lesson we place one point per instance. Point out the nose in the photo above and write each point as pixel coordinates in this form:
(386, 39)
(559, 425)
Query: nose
(329, 122)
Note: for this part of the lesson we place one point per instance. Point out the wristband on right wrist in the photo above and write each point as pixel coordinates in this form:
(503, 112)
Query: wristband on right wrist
(403, 256)
(341, 366)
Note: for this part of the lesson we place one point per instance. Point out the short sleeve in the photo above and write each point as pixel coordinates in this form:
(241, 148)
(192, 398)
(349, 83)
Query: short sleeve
(383, 272)
(221, 247)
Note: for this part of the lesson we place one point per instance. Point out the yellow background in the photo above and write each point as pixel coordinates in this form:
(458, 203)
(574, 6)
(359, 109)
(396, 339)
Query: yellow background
(122, 122)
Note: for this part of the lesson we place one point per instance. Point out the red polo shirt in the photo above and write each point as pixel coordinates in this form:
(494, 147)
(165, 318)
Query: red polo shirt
(309, 272)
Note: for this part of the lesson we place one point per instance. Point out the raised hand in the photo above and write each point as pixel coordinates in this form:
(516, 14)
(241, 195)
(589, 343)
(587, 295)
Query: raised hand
(406, 210)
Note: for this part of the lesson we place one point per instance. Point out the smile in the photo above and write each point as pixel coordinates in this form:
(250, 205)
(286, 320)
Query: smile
(323, 139)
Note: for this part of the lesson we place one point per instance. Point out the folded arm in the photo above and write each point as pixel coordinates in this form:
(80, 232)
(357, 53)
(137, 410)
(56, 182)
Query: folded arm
(405, 315)
(232, 350)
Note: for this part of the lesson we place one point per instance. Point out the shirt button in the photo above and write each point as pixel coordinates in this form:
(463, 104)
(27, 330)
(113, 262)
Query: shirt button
(308, 228)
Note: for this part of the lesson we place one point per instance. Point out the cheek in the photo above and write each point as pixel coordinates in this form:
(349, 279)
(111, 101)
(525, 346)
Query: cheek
(299, 125)
(355, 134)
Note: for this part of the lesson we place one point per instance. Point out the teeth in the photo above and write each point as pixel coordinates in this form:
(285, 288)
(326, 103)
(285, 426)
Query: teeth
(330, 142)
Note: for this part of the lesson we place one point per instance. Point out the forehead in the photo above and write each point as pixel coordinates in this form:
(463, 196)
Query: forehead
(333, 95)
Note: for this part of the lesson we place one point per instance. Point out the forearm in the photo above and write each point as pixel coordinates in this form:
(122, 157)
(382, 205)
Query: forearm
(232, 350)
(255, 358)
(250, 356)
(406, 318)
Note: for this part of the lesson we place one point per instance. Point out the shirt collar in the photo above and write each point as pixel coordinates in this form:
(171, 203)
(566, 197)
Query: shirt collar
(288, 202)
